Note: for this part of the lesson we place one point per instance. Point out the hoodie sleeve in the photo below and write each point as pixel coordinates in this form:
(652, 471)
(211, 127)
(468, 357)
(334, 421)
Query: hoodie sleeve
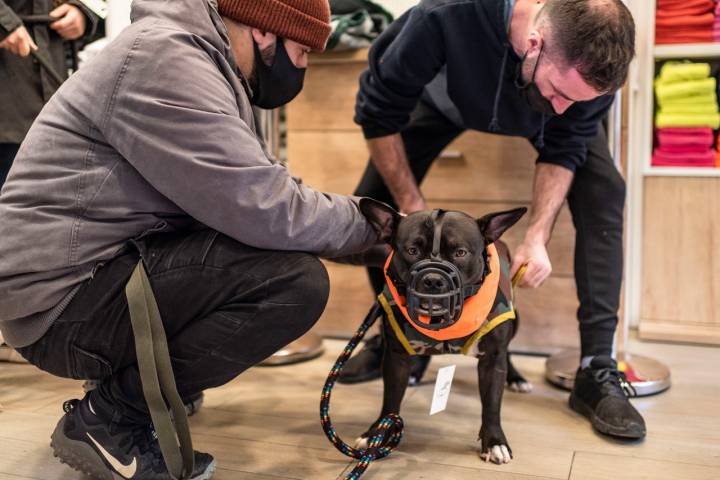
(404, 59)
(176, 119)
(566, 136)
(9, 21)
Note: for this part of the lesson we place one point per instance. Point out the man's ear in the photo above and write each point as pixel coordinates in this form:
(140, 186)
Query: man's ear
(383, 218)
(493, 225)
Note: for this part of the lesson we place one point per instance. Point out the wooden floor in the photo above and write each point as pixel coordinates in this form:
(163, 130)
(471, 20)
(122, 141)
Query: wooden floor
(265, 425)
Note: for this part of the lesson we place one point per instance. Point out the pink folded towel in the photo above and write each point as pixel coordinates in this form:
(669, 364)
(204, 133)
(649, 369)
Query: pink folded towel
(702, 137)
(666, 159)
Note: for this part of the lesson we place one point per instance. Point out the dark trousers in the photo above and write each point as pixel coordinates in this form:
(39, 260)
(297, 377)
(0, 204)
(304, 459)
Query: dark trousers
(596, 199)
(225, 307)
(7, 155)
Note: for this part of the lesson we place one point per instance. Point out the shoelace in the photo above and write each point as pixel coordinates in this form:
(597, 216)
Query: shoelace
(615, 378)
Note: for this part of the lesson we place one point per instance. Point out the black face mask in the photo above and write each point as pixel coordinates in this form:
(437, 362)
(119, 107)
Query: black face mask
(278, 83)
(530, 91)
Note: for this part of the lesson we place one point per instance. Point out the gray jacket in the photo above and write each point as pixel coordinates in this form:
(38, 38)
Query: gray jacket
(154, 134)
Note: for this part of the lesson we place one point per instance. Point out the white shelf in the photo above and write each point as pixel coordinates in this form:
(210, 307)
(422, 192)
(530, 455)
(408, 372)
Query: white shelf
(681, 172)
(687, 50)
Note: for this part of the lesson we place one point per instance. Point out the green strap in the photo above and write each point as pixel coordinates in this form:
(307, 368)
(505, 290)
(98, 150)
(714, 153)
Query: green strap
(157, 376)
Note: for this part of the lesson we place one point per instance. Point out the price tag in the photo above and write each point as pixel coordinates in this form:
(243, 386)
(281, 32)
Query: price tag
(442, 389)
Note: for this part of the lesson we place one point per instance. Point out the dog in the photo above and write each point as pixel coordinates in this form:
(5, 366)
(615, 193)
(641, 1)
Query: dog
(431, 252)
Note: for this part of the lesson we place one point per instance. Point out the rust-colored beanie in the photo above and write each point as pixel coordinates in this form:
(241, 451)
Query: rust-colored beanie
(304, 21)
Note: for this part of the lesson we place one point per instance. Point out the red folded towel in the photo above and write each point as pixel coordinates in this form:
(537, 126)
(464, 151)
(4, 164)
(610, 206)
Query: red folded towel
(684, 36)
(693, 137)
(680, 4)
(683, 11)
(681, 21)
(665, 159)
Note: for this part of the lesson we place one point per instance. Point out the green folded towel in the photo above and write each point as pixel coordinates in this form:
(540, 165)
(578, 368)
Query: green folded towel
(669, 91)
(680, 71)
(705, 99)
(690, 108)
(665, 120)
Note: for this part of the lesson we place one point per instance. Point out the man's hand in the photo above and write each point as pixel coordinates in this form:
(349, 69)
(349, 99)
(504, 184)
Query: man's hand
(414, 205)
(71, 21)
(19, 42)
(535, 255)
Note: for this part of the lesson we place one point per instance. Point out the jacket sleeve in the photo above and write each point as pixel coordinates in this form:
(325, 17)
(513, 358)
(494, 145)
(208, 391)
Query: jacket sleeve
(9, 21)
(567, 135)
(176, 119)
(405, 58)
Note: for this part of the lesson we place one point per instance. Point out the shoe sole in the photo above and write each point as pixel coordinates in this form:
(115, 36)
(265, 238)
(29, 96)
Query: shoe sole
(598, 424)
(82, 457)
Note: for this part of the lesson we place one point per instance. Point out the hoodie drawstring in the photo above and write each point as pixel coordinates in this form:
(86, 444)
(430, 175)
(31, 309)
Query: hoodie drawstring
(494, 126)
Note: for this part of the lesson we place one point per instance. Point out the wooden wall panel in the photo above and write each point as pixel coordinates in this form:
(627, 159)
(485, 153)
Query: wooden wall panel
(681, 260)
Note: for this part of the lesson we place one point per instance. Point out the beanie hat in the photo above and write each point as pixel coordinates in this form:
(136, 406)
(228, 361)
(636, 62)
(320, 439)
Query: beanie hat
(303, 21)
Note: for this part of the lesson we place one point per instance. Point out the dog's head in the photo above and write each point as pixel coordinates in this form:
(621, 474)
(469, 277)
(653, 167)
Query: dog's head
(448, 236)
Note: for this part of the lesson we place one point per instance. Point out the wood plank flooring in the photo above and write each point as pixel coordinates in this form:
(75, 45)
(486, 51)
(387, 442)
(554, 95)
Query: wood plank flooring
(264, 426)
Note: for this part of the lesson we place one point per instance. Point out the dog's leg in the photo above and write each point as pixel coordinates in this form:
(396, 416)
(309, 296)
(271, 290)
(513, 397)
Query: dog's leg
(515, 380)
(396, 373)
(492, 374)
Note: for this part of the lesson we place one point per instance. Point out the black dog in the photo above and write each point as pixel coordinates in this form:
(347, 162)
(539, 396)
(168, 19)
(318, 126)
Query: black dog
(459, 247)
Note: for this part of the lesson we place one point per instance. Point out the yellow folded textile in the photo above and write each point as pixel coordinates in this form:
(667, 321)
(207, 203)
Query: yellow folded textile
(680, 71)
(690, 108)
(706, 99)
(668, 91)
(665, 120)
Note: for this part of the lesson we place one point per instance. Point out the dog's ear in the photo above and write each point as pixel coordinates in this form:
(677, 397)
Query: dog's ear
(493, 225)
(383, 218)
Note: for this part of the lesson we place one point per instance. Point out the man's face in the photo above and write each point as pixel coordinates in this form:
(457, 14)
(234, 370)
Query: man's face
(561, 85)
(267, 44)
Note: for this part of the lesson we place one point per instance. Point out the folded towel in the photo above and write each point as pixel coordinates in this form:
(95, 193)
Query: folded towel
(678, 4)
(683, 149)
(693, 137)
(678, 120)
(685, 36)
(680, 71)
(664, 159)
(705, 99)
(670, 91)
(689, 108)
(692, 10)
(699, 21)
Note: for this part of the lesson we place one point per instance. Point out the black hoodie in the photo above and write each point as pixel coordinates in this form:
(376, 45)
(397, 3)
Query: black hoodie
(465, 43)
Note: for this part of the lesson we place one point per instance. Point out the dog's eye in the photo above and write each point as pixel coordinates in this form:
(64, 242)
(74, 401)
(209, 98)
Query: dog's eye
(412, 251)
(461, 252)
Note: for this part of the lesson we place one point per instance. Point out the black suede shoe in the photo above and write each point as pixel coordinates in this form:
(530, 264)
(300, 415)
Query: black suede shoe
(86, 443)
(366, 365)
(601, 394)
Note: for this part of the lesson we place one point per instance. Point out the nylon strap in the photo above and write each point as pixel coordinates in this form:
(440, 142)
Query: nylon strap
(157, 376)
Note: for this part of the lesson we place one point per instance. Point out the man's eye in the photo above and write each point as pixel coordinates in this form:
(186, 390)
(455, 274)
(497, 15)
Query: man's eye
(461, 252)
(412, 251)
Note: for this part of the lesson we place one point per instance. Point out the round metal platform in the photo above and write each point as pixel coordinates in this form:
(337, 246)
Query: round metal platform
(647, 376)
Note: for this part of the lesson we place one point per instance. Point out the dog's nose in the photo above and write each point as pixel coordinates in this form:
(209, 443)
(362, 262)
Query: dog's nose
(434, 282)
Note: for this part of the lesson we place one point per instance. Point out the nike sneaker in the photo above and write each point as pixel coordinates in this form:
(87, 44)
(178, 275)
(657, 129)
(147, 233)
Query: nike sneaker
(86, 443)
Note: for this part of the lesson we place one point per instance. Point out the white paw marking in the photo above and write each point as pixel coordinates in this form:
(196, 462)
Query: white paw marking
(498, 454)
(520, 387)
(361, 443)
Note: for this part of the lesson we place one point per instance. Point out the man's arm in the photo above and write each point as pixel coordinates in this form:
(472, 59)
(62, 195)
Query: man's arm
(551, 186)
(14, 37)
(388, 156)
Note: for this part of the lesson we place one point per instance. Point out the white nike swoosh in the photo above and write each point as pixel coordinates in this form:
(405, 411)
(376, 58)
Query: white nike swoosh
(126, 471)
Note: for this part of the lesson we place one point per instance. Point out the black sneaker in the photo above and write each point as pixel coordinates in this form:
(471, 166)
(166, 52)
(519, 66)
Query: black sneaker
(366, 365)
(601, 394)
(192, 405)
(87, 444)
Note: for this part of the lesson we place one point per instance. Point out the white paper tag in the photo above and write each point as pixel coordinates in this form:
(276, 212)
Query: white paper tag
(442, 389)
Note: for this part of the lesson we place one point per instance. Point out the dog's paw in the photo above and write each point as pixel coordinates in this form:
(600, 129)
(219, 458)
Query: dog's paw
(520, 386)
(361, 443)
(498, 454)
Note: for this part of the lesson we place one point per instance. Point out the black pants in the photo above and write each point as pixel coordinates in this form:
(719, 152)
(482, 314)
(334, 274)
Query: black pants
(225, 307)
(596, 199)
(7, 155)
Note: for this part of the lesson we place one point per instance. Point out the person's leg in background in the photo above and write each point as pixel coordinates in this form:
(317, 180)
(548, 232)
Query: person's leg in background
(225, 307)
(7, 155)
(597, 203)
(425, 137)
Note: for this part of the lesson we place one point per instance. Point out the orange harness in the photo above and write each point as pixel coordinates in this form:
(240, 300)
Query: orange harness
(475, 309)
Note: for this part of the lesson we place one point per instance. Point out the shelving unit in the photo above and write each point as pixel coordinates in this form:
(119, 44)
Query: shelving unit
(672, 287)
